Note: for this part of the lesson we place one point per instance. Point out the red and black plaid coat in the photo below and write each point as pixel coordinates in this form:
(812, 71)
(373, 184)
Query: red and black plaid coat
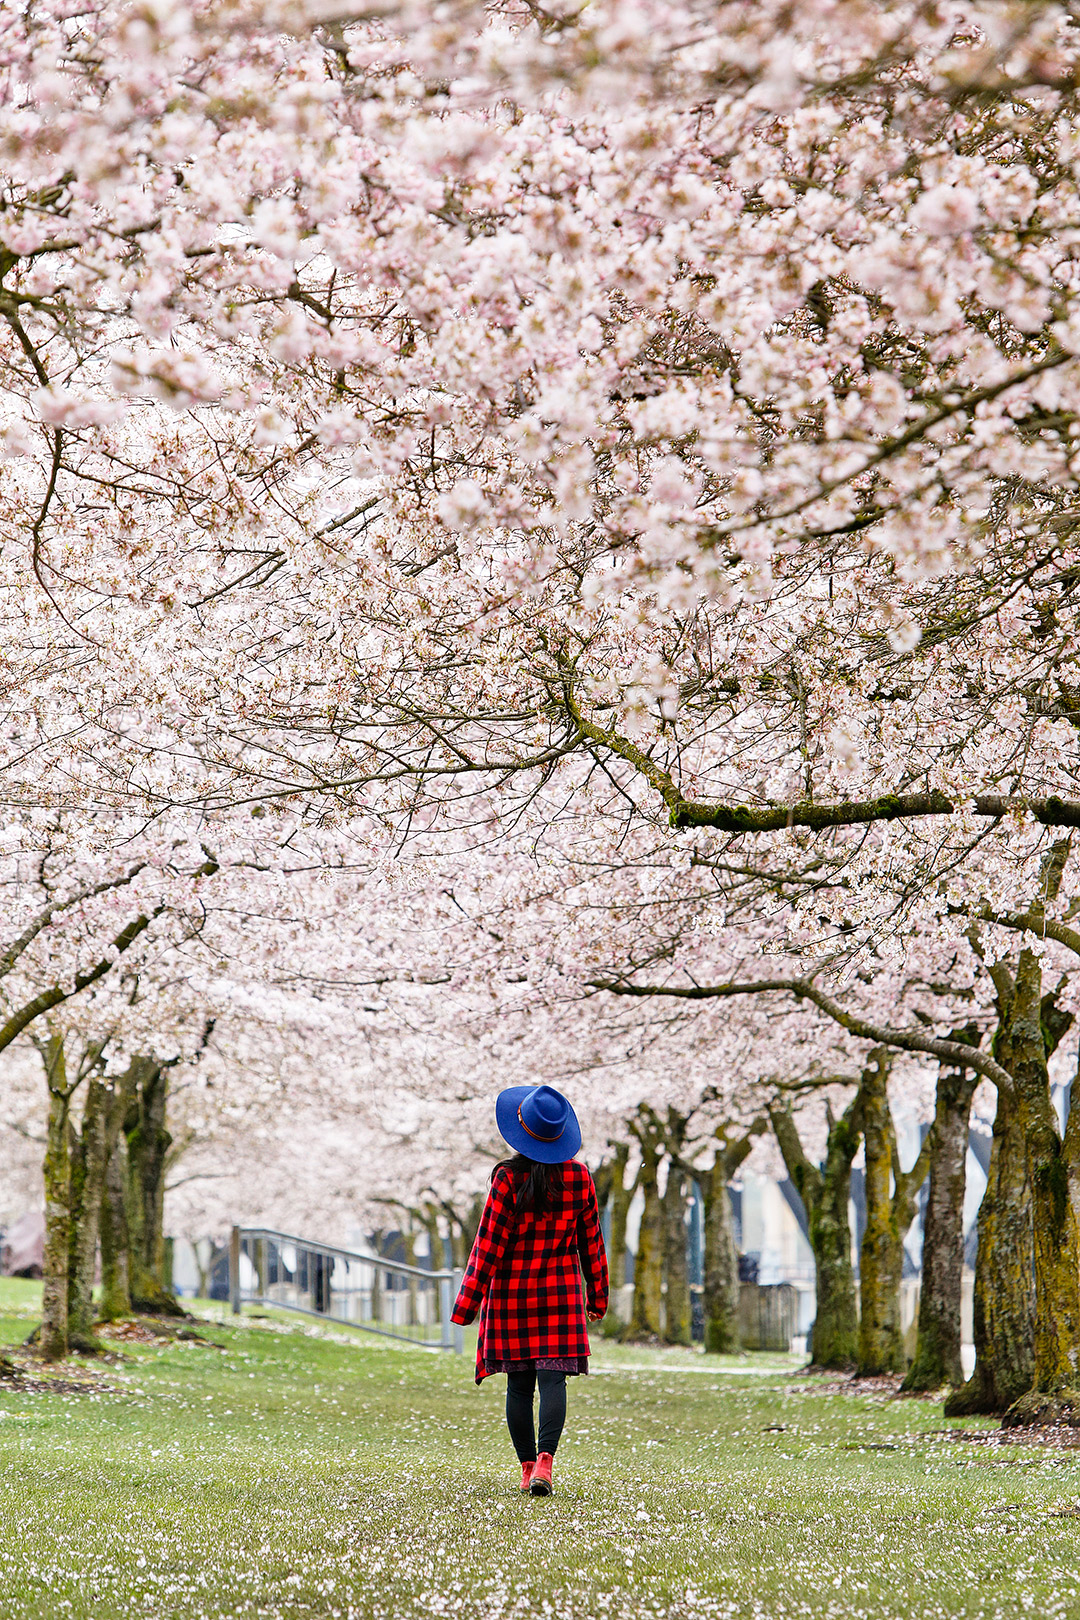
(524, 1273)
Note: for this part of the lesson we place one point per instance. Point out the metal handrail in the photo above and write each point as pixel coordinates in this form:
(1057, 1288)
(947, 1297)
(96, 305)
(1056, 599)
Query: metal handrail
(330, 1283)
(346, 1254)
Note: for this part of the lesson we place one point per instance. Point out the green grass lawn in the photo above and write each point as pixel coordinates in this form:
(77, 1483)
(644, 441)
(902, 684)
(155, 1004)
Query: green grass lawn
(291, 1474)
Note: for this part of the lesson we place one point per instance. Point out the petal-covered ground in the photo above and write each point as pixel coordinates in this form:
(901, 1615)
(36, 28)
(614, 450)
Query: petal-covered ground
(298, 1474)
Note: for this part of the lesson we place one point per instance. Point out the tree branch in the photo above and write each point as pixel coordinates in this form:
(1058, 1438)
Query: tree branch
(11, 955)
(1026, 922)
(55, 996)
(738, 818)
(1051, 811)
(908, 1040)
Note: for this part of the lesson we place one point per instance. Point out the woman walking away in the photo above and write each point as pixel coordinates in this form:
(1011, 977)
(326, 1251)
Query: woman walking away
(539, 1232)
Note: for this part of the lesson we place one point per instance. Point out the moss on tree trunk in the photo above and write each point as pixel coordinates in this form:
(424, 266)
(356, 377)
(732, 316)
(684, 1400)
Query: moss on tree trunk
(648, 1262)
(1056, 1233)
(148, 1143)
(677, 1310)
(115, 1300)
(825, 1191)
(89, 1148)
(720, 1264)
(1021, 1343)
(57, 1177)
(1004, 1305)
(890, 1209)
(619, 1196)
(881, 1254)
(937, 1349)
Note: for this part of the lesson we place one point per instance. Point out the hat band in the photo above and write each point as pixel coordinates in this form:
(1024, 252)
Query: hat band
(536, 1134)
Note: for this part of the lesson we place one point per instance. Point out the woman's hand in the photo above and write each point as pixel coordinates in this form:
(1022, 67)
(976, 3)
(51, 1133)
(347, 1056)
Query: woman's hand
(595, 1316)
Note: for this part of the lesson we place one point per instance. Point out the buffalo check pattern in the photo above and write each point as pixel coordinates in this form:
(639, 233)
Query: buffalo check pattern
(524, 1273)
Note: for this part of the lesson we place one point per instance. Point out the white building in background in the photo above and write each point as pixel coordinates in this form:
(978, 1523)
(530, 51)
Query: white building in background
(770, 1230)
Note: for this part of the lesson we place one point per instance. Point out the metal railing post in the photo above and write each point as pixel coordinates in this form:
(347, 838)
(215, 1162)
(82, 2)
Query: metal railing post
(445, 1308)
(234, 1270)
(459, 1332)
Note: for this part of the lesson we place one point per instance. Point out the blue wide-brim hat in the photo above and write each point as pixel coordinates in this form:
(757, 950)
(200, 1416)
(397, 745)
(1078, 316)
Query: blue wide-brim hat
(538, 1122)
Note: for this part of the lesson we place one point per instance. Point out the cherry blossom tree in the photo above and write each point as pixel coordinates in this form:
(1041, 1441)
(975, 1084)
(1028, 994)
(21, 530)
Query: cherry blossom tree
(681, 374)
(639, 439)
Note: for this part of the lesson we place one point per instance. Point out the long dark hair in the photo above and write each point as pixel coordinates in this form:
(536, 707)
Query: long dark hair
(536, 1186)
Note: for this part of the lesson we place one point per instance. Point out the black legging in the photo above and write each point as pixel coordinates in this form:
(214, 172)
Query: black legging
(520, 1388)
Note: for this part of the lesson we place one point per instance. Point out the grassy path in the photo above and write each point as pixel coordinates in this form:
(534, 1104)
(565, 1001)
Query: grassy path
(292, 1475)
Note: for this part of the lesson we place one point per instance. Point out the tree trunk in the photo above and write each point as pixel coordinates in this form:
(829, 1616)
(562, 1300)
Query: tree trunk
(645, 1315)
(472, 1223)
(1006, 1268)
(1004, 1276)
(115, 1267)
(937, 1348)
(881, 1255)
(57, 1176)
(619, 1195)
(1070, 1147)
(147, 1146)
(890, 1210)
(1056, 1233)
(87, 1188)
(438, 1257)
(720, 1295)
(677, 1309)
(459, 1248)
(825, 1191)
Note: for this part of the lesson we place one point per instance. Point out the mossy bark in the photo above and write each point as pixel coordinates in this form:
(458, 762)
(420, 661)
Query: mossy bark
(677, 1309)
(937, 1348)
(148, 1142)
(1011, 1269)
(115, 1300)
(57, 1177)
(619, 1196)
(1004, 1305)
(1070, 1148)
(648, 1262)
(720, 1292)
(825, 1191)
(720, 1267)
(677, 1312)
(881, 1254)
(890, 1209)
(88, 1154)
(1056, 1231)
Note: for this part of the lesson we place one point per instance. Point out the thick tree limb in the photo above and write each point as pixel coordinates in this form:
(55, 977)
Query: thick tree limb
(1051, 811)
(740, 818)
(1025, 922)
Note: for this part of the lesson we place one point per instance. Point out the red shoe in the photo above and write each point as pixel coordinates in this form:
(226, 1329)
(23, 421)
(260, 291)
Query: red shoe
(540, 1484)
(526, 1474)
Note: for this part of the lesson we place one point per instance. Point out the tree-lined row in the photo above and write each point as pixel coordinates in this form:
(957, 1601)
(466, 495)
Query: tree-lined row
(624, 465)
(481, 974)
